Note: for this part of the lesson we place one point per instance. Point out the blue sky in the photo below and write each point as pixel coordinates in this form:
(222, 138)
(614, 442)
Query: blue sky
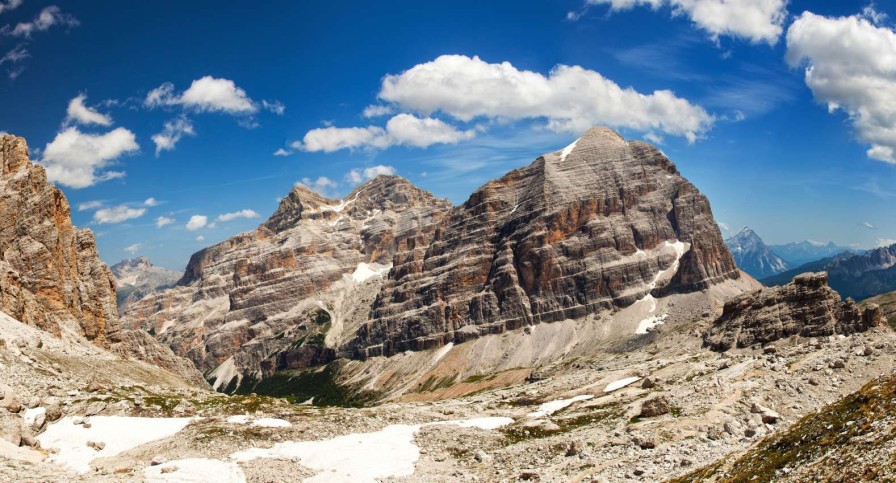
(185, 103)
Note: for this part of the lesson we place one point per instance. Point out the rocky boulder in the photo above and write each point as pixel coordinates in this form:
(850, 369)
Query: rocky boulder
(806, 307)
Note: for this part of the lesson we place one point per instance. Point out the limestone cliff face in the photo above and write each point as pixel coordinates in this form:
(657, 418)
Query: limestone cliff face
(51, 276)
(806, 307)
(600, 224)
(286, 294)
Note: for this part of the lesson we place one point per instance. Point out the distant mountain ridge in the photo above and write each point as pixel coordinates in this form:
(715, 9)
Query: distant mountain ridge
(753, 256)
(137, 277)
(799, 253)
(858, 276)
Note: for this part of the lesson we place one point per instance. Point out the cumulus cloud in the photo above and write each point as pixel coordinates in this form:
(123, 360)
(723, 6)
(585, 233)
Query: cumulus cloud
(282, 152)
(571, 98)
(400, 130)
(47, 18)
(208, 94)
(321, 184)
(132, 249)
(90, 205)
(200, 239)
(8, 5)
(79, 112)
(163, 221)
(754, 20)
(117, 214)
(151, 202)
(358, 176)
(377, 111)
(171, 134)
(248, 214)
(885, 242)
(78, 159)
(196, 222)
(851, 67)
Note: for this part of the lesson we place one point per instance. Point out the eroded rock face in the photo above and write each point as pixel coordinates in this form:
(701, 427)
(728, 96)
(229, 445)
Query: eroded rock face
(600, 224)
(137, 277)
(285, 295)
(807, 307)
(51, 276)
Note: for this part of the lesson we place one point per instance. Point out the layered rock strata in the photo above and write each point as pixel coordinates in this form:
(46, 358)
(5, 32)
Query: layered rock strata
(806, 307)
(602, 223)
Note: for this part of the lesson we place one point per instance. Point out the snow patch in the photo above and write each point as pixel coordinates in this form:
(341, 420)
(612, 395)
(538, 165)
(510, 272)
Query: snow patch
(195, 470)
(680, 248)
(552, 407)
(366, 271)
(620, 383)
(567, 150)
(224, 373)
(31, 415)
(649, 323)
(363, 457)
(118, 433)
(445, 349)
(260, 422)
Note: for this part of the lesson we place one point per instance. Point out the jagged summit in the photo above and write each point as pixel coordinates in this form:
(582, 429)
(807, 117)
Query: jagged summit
(753, 256)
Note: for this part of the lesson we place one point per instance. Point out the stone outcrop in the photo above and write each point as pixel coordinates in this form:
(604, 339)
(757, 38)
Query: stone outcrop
(51, 276)
(285, 295)
(806, 307)
(600, 224)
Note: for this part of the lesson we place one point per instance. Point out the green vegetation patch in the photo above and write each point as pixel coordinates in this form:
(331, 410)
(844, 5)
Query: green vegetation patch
(300, 385)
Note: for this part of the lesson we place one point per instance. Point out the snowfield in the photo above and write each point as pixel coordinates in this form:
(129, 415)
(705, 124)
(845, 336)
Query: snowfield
(195, 470)
(117, 433)
(552, 407)
(620, 383)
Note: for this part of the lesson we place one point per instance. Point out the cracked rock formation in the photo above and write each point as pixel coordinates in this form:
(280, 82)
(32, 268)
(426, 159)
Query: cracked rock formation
(285, 295)
(580, 230)
(51, 276)
(806, 307)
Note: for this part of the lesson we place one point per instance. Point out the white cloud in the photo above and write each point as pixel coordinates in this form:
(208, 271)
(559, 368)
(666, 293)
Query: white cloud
(205, 94)
(77, 159)
(117, 214)
(77, 111)
(276, 107)
(400, 130)
(48, 17)
(724, 226)
(867, 225)
(196, 222)
(172, 133)
(377, 111)
(358, 176)
(851, 66)
(9, 5)
(200, 239)
(163, 221)
(885, 242)
(282, 152)
(321, 184)
(151, 202)
(14, 57)
(90, 205)
(238, 214)
(754, 20)
(132, 249)
(571, 98)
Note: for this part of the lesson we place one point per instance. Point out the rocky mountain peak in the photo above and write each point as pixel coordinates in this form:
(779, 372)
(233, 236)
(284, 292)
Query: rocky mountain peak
(806, 307)
(14, 154)
(754, 256)
(301, 200)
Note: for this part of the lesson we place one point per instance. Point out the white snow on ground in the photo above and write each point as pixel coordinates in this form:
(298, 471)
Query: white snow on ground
(118, 433)
(621, 383)
(366, 271)
(649, 323)
(680, 248)
(445, 349)
(552, 407)
(357, 458)
(32, 414)
(195, 470)
(567, 150)
(261, 422)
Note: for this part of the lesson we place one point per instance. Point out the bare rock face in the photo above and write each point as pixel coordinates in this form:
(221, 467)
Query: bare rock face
(285, 295)
(50, 274)
(807, 307)
(600, 224)
(137, 277)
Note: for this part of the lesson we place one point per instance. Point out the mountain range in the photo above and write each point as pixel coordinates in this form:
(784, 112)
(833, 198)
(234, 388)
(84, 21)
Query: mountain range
(763, 261)
(137, 277)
